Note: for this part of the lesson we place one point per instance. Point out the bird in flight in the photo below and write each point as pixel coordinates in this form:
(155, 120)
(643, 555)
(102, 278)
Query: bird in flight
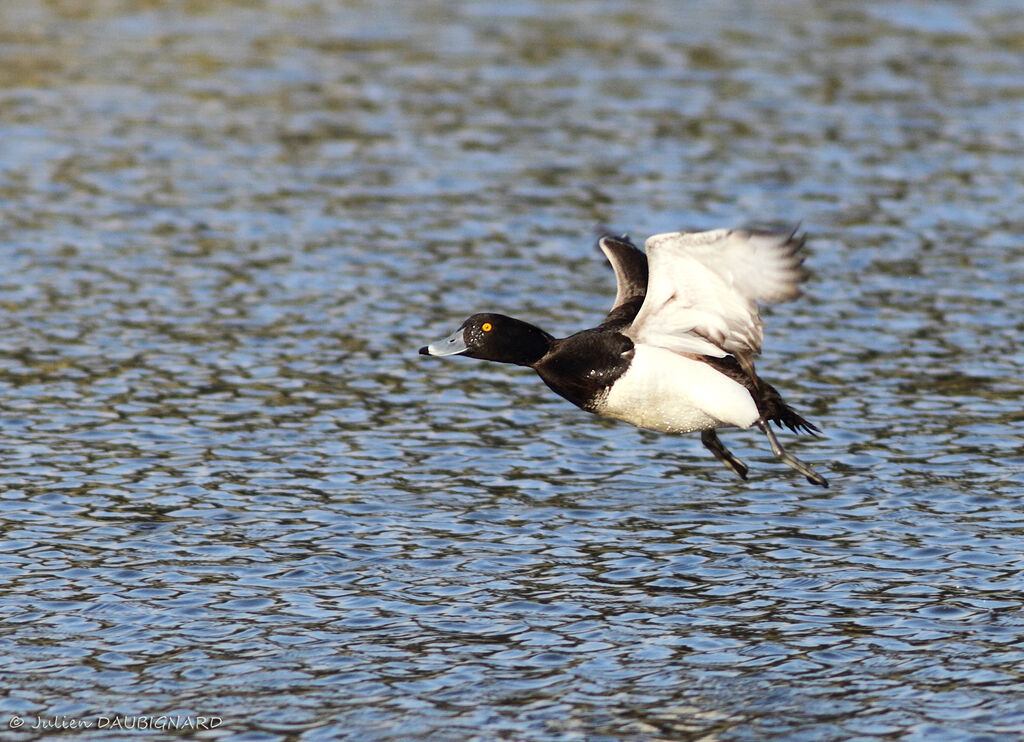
(676, 351)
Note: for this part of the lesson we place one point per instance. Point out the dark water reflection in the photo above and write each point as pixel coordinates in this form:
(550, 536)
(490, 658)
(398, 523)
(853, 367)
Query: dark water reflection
(229, 486)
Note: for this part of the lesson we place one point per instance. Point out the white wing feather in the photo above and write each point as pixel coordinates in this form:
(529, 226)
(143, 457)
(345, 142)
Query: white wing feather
(704, 287)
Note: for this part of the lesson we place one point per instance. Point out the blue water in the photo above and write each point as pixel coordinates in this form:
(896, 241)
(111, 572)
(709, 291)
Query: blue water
(230, 488)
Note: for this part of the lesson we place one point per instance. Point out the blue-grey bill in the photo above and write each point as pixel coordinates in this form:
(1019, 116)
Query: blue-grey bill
(450, 346)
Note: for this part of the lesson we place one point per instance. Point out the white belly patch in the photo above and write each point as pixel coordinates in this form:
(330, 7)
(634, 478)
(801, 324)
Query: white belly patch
(662, 390)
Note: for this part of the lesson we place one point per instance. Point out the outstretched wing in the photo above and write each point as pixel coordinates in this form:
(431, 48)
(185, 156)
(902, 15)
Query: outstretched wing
(704, 289)
(630, 266)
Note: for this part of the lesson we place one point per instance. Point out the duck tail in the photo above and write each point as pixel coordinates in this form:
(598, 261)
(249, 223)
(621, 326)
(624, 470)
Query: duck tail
(788, 416)
(769, 402)
(775, 409)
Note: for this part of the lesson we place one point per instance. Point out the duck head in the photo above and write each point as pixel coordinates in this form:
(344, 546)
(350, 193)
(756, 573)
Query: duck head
(494, 337)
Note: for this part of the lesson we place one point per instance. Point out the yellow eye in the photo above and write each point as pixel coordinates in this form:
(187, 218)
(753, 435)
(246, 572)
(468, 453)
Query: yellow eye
(486, 327)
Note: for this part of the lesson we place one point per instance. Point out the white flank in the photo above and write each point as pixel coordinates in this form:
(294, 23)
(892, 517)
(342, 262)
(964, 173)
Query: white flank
(671, 393)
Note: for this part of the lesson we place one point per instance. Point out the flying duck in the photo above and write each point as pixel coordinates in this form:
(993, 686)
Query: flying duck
(676, 351)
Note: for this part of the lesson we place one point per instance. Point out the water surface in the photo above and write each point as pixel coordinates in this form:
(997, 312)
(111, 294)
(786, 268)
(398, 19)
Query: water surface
(229, 486)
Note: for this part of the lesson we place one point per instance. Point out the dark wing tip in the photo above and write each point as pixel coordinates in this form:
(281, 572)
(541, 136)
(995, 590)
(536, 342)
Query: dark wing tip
(795, 254)
(602, 233)
(630, 265)
(628, 261)
(770, 228)
(792, 246)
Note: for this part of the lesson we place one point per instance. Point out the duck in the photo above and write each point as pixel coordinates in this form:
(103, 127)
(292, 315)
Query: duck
(675, 353)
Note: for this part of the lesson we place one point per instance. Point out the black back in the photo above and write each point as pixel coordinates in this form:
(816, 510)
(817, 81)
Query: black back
(583, 366)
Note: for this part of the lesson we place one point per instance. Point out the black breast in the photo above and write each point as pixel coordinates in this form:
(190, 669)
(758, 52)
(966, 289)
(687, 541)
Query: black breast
(583, 366)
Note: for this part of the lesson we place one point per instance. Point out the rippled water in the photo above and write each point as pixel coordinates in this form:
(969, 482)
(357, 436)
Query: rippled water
(230, 487)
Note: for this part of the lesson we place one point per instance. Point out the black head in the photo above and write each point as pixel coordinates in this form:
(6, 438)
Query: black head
(494, 337)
